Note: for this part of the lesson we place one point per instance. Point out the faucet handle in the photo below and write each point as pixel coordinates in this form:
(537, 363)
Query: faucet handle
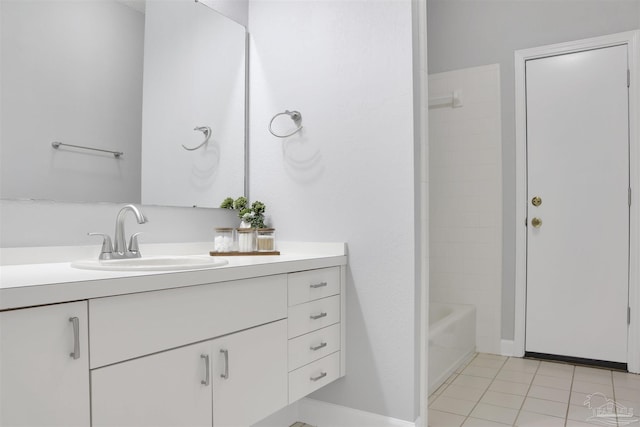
(133, 243)
(107, 247)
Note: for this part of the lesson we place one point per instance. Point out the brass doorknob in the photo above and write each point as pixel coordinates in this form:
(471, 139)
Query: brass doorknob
(536, 222)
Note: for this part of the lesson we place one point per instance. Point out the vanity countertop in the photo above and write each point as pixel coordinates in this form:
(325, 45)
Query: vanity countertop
(45, 282)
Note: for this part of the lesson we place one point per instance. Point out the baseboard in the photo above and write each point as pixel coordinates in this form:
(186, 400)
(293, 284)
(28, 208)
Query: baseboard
(506, 347)
(323, 414)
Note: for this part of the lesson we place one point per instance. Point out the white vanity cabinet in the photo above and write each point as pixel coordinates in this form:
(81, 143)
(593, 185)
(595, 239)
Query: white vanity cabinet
(44, 368)
(222, 347)
(178, 357)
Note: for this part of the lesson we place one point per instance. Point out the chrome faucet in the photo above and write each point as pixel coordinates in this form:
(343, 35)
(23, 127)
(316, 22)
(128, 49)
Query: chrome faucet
(119, 249)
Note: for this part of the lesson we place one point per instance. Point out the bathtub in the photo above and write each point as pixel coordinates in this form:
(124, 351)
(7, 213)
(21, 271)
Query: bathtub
(452, 340)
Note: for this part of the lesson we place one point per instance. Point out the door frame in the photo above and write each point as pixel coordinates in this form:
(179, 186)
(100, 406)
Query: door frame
(632, 40)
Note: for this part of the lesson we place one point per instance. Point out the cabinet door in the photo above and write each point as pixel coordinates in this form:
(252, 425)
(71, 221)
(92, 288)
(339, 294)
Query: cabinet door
(172, 388)
(41, 383)
(249, 375)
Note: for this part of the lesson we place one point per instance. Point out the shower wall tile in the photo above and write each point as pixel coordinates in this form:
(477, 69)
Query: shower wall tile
(465, 178)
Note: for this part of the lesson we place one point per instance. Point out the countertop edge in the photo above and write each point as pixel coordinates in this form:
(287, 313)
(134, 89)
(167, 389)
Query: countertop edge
(67, 291)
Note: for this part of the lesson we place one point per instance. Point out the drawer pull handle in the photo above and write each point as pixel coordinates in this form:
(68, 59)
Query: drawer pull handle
(206, 369)
(318, 285)
(319, 377)
(318, 347)
(76, 338)
(225, 374)
(318, 316)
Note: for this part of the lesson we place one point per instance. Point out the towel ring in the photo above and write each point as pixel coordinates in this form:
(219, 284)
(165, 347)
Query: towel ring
(206, 130)
(295, 116)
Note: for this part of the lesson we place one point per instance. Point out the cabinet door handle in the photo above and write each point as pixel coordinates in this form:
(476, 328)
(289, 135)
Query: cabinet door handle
(225, 374)
(76, 338)
(318, 347)
(319, 377)
(318, 285)
(206, 369)
(318, 316)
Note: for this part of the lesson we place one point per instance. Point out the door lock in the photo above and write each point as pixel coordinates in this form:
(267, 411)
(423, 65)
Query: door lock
(536, 201)
(536, 222)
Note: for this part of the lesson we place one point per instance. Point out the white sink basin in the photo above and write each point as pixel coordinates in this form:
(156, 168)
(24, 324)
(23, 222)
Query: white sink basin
(155, 263)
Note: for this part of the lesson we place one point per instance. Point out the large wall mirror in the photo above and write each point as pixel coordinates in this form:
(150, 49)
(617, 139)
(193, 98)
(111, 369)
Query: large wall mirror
(143, 78)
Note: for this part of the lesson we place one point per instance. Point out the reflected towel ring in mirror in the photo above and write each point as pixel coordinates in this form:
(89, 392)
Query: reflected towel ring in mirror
(207, 134)
(295, 116)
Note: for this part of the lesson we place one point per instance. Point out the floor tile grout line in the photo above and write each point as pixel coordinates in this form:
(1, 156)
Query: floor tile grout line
(566, 415)
(457, 374)
(613, 388)
(446, 384)
(504, 362)
(527, 394)
(476, 404)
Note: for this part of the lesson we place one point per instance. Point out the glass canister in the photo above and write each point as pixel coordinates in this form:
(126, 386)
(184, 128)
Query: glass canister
(246, 239)
(224, 240)
(266, 239)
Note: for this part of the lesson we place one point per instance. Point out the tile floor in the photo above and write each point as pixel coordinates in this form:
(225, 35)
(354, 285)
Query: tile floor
(496, 391)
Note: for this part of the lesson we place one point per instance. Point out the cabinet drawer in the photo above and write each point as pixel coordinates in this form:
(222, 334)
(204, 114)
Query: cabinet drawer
(313, 346)
(313, 315)
(128, 326)
(313, 284)
(311, 377)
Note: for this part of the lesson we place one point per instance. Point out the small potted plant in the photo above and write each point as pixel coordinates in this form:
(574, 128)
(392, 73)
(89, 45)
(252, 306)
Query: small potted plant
(252, 225)
(250, 216)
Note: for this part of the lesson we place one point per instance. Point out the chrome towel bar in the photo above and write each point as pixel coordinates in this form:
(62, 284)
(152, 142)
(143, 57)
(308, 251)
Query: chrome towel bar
(116, 154)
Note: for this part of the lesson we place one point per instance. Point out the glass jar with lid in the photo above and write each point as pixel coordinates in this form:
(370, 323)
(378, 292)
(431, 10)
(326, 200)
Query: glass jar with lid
(224, 240)
(246, 239)
(266, 239)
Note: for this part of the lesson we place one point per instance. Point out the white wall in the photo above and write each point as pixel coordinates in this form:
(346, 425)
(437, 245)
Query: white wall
(349, 175)
(50, 93)
(466, 198)
(463, 33)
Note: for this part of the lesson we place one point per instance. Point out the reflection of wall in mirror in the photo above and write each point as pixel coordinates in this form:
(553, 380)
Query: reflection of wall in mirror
(60, 61)
(194, 75)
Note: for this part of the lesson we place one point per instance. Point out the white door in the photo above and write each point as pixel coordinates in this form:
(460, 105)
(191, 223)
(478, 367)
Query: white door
(168, 389)
(578, 236)
(249, 375)
(41, 383)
